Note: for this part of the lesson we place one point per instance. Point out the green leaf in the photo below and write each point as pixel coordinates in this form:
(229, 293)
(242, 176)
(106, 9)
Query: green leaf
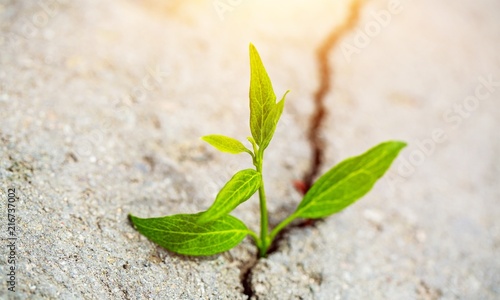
(182, 233)
(226, 144)
(272, 121)
(262, 97)
(236, 191)
(348, 181)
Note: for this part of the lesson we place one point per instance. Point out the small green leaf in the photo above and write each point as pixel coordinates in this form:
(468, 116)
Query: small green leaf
(226, 144)
(272, 121)
(182, 233)
(348, 181)
(262, 97)
(236, 191)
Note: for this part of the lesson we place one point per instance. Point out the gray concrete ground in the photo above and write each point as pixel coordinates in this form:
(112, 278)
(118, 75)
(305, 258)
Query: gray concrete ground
(102, 105)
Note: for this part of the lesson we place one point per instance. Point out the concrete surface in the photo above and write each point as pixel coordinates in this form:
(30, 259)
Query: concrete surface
(102, 105)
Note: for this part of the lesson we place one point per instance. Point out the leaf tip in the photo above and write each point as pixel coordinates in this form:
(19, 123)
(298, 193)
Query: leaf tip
(400, 144)
(393, 144)
(131, 219)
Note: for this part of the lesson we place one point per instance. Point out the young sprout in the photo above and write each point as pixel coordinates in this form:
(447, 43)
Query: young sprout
(215, 230)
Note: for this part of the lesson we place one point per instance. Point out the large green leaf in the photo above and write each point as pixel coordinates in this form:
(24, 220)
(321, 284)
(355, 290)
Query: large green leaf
(226, 144)
(262, 97)
(182, 233)
(348, 181)
(236, 191)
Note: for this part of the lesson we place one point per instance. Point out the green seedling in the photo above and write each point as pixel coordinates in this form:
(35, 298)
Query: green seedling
(214, 230)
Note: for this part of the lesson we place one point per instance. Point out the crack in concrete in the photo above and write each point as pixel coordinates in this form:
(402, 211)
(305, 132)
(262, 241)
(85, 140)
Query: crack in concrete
(325, 72)
(246, 277)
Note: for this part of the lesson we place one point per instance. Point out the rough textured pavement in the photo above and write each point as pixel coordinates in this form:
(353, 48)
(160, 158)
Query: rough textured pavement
(102, 105)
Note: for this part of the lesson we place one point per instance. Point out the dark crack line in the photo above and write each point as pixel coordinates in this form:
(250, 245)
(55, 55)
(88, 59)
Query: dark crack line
(246, 278)
(316, 142)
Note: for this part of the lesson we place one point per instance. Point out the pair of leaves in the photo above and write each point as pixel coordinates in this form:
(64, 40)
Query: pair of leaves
(264, 111)
(215, 231)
